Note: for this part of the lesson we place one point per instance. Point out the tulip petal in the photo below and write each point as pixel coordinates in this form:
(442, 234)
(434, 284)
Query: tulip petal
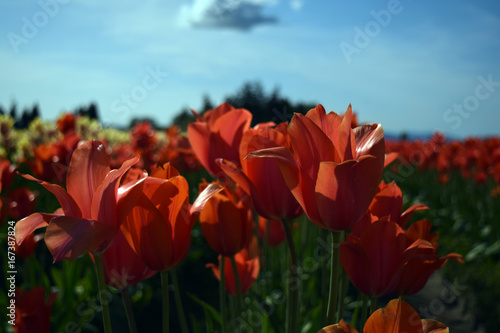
(406, 216)
(434, 326)
(341, 327)
(68, 238)
(105, 198)
(68, 204)
(202, 199)
(349, 187)
(370, 141)
(198, 133)
(356, 265)
(88, 167)
(236, 174)
(30, 223)
(397, 316)
(389, 158)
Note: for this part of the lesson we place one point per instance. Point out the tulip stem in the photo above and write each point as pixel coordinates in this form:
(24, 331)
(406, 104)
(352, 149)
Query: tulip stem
(166, 308)
(239, 297)
(364, 311)
(334, 279)
(373, 304)
(101, 285)
(127, 304)
(222, 296)
(178, 302)
(356, 311)
(344, 283)
(293, 288)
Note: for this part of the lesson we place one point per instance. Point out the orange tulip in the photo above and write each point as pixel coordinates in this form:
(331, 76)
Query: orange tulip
(248, 270)
(159, 228)
(90, 205)
(226, 222)
(397, 316)
(262, 178)
(332, 170)
(32, 310)
(218, 135)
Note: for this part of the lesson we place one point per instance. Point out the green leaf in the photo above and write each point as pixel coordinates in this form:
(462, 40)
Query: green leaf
(207, 307)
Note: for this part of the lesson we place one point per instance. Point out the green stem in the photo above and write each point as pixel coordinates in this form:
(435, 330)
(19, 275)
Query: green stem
(334, 279)
(222, 296)
(178, 302)
(373, 304)
(239, 297)
(101, 285)
(127, 304)
(356, 311)
(166, 309)
(344, 283)
(293, 287)
(364, 311)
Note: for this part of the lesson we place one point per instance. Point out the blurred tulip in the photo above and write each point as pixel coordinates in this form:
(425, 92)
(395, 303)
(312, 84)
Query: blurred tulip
(332, 170)
(28, 247)
(218, 135)
(387, 202)
(159, 227)
(66, 123)
(33, 310)
(276, 234)
(21, 202)
(262, 178)
(248, 270)
(90, 205)
(226, 222)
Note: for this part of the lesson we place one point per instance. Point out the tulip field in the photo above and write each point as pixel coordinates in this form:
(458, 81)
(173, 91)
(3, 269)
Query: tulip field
(318, 224)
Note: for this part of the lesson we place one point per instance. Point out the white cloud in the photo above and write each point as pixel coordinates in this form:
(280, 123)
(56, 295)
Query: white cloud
(229, 14)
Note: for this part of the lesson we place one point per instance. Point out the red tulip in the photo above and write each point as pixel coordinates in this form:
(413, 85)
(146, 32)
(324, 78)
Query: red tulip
(420, 258)
(373, 261)
(28, 247)
(226, 222)
(388, 202)
(248, 270)
(332, 170)
(159, 227)
(218, 135)
(341, 327)
(33, 311)
(90, 207)
(262, 178)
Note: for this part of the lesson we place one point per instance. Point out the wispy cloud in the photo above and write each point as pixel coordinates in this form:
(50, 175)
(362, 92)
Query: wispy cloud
(228, 14)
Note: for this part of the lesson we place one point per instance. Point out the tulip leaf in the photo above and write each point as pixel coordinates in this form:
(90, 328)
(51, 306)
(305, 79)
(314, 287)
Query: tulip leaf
(207, 307)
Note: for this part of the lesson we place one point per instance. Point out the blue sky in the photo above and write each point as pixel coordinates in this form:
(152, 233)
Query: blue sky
(416, 66)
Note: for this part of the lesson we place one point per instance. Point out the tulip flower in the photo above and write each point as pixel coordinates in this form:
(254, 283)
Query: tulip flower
(373, 261)
(90, 220)
(332, 170)
(262, 178)
(420, 258)
(218, 135)
(248, 270)
(387, 202)
(28, 247)
(226, 221)
(397, 316)
(159, 227)
(32, 310)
